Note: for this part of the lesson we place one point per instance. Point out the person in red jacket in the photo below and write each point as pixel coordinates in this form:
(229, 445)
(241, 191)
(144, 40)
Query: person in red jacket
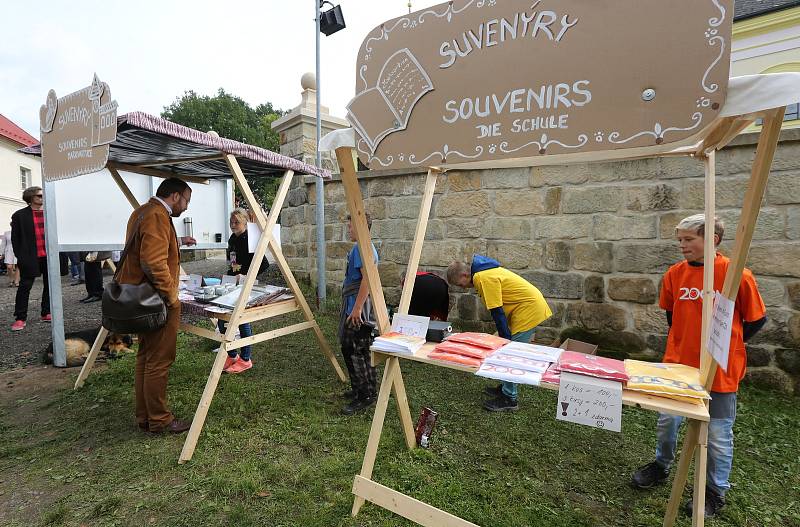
(682, 298)
(27, 238)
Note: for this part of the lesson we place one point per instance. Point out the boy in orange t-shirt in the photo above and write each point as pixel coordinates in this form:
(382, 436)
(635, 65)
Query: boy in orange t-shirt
(682, 298)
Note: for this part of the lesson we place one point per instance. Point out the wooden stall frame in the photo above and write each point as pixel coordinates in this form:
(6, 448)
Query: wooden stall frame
(241, 313)
(695, 443)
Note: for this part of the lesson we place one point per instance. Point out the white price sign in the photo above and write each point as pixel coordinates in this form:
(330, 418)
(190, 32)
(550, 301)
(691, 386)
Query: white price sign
(590, 401)
(719, 334)
(411, 325)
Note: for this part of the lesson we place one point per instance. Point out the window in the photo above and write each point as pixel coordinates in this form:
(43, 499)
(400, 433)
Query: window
(24, 177)
(792, 112)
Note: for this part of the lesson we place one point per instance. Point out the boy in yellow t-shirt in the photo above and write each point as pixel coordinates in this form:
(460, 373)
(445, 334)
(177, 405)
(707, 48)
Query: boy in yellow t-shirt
(517, 307)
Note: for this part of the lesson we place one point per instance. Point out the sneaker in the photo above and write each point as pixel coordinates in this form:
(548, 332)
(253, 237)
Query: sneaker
(493, 391)
(358, 405)
(47, 318)
(714, 503)
(239, 366)
(501, 403)
(18, 325)
(229, 361)
(649, 476)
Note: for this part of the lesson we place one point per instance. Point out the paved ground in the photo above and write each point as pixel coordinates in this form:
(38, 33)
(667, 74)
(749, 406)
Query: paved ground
(22, 348)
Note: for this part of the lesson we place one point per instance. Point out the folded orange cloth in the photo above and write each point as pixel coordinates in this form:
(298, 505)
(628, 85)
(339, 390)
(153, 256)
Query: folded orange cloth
(463, 349)
(456, 358)
(482, 340)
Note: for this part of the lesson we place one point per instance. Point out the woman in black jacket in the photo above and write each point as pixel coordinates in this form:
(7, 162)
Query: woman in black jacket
(240, 259)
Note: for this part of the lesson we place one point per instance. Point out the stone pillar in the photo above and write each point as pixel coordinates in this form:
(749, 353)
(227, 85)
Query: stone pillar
(298, 128)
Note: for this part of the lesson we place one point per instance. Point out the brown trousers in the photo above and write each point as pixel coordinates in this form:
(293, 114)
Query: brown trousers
(156, 355)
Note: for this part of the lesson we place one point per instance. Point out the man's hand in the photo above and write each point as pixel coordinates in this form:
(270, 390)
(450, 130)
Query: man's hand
(354, 320)
(188, 241)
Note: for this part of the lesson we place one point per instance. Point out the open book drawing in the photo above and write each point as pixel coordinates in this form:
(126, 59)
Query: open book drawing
(386, 108)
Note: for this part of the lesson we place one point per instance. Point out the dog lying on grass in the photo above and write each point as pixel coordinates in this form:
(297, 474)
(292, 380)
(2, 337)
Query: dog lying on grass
(79, 343)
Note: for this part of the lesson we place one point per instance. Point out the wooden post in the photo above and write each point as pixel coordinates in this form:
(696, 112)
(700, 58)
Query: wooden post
(87, 365)
(765, 151)
(205, 402)
(709, 256)
(266, 235)
(266, 225)
(355, 205)
(392, 366)
(101, 337)
(406, 423)
(419, 239)
(699, 496)
(124, 187)
(682, 471)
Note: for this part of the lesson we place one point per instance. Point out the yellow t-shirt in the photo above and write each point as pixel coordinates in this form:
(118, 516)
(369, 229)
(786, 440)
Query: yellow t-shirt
(524, 305)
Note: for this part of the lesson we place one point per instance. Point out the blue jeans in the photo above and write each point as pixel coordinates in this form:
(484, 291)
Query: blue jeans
(510, 388)
(74, 265)
(720, 445)
(245, 330)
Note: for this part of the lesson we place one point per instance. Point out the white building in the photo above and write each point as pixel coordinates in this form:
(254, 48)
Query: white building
(766, 39)
(17, 171)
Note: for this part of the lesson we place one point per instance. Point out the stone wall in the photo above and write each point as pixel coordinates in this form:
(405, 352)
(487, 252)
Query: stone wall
(594, 238)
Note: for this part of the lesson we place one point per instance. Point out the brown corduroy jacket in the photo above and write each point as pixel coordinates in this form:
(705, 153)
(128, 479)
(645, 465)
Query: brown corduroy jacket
(155, 254)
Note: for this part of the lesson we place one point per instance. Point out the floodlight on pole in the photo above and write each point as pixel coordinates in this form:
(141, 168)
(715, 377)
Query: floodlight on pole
(331, 20)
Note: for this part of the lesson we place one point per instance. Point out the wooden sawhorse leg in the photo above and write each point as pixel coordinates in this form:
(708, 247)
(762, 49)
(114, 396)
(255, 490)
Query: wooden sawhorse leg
(392, 382)
(695, 445)
(205, 403)
(87, 365)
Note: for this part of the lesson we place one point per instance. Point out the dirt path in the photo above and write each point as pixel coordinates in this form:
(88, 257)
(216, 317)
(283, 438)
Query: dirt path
(22, 348)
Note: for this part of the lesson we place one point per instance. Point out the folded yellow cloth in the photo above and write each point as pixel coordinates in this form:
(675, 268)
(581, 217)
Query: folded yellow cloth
(663, 379)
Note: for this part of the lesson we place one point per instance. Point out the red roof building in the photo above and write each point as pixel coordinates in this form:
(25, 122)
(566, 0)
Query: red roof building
(11, 131)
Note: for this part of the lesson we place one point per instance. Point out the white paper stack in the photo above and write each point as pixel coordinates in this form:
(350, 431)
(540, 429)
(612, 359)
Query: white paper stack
(519, 362)
(533, 352)
(394, 342)
(499, 358)
(504, 373)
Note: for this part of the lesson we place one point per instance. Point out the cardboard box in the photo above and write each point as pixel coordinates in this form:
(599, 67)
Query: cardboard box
(579, 346)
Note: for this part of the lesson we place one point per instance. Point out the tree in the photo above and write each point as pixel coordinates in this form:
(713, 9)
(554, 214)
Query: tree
(233, 118)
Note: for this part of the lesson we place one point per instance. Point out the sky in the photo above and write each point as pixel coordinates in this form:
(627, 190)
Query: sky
(149, 52)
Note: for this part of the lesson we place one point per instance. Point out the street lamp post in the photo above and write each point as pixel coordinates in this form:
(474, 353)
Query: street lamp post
(320, 216)
(332, 23)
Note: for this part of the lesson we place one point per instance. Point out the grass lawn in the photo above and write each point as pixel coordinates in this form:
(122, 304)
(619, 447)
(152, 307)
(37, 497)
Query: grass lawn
(275, 451)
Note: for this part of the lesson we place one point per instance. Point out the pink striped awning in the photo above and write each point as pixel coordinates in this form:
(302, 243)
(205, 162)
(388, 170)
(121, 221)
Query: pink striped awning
(144, 139)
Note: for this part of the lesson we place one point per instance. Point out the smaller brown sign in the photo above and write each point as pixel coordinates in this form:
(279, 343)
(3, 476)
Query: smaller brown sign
(76, 131)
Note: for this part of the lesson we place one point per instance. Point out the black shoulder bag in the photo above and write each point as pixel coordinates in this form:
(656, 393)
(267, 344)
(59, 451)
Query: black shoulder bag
(132, 308)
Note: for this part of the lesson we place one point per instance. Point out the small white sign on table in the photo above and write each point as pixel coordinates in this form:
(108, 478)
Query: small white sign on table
(230, 279)
(195, 281)
(719, 334)
(590, 401)
(411, 325)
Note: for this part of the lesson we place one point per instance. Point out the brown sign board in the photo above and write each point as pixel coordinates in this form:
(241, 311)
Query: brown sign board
(76, 131)
(482, 80)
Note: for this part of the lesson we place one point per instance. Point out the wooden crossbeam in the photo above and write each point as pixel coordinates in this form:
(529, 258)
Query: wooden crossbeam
(406, 506)
(155, 172)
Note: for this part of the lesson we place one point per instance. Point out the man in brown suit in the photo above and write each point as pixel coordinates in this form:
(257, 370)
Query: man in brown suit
(155, 257)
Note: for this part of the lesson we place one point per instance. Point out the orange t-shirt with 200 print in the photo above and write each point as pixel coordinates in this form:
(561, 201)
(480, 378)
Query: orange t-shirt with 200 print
(682, 293)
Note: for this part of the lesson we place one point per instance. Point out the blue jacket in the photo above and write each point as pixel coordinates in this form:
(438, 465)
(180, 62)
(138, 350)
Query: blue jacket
(482, 263)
